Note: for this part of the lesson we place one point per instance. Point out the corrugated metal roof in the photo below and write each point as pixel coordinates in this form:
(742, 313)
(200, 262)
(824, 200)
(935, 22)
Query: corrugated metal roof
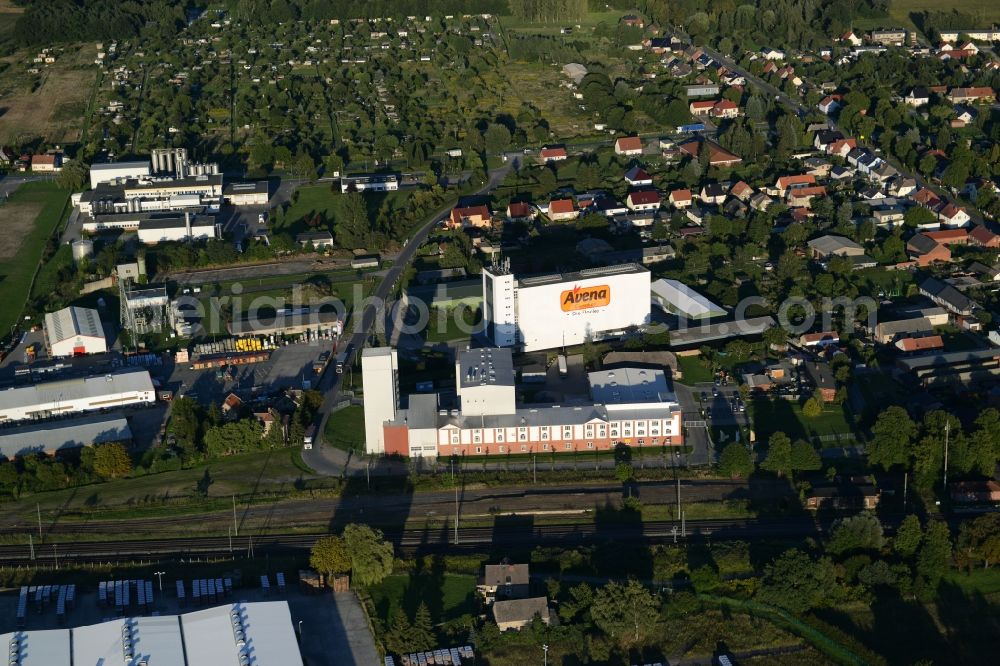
(73, 322)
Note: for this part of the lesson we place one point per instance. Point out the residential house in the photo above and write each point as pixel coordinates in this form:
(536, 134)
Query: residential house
(470, 216)
(829, 104)
(918, 345)
(504, 581)
(963, 116)
(802, 196)
(820, 339)
(917, 97)
(848, 492)
(821, 377)
(637, 177)
(562, 210)
(717, 155)
(825, 137)
(785, 183)
(952, 216)
(949, 236)
(552, 154)
(851, 38)
(695, 215)
(828, 246)
(680, 198)
(888, 36)
(887, 332)
(760, 201)
(633, 21)
(981, 95)
(974, 492)
(925, 251)
(735, 208)
(318, 240)
(741, 191)
(984, 272)
(46, 163)
(983, 237)
(901, 186)
(7, 157)
(712, 193)
(817, 167)
(519, 613)
(841, 147)
(888, 217)
(926, 198)
(230, 407)
(947, 297)
(628, 145)
(643, 200)
(772, 54)
(725, 109)
(518, 210)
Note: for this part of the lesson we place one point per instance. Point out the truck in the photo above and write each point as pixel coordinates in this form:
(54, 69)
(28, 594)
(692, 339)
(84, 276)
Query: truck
(342, 359)
(307, 438)
(694, 127)
(563, 369)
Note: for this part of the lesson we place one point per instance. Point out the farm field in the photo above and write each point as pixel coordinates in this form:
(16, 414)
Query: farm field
(31, 215)
(52, 104)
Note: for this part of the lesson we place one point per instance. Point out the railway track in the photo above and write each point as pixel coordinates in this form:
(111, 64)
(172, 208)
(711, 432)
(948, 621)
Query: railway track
(413, 540)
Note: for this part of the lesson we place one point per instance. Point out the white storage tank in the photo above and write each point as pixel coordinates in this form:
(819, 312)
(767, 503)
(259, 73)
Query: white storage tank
(83, 249)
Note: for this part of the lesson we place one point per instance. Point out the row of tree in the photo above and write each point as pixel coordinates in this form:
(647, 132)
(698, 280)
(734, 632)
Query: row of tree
(41, 472)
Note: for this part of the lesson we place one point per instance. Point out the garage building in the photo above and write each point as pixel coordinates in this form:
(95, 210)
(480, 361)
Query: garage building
(74, 331)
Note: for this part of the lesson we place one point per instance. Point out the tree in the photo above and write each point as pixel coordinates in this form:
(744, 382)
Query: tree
(496, 138)
(74, 175)
(371, 554)
(352, 227)
(112, 461)
(892, 437)
(876, 573)
(330, 555)
(805, 457)
(735, 461)
(908, 537)
(422, 633)
(626, 613)
(935, 553)
(624, 472)
(796, 582)
(776, 336)
(979, 539)
(779, 454)
(918, 215)
(398, 639)
(812, 408)
(860, 532)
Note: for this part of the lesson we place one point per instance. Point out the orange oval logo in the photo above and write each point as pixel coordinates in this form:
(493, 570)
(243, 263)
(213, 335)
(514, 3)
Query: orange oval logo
(585, 298)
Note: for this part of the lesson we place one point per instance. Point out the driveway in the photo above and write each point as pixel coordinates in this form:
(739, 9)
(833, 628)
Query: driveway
(334, 630)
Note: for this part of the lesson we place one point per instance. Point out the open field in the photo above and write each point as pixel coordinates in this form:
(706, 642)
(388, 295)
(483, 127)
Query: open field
(582, 27)
(773, 415)
(36, 210)
(324, 201)
(693, 370)
(986, 11)
(447, 595)
(345, 429)
(51, 104)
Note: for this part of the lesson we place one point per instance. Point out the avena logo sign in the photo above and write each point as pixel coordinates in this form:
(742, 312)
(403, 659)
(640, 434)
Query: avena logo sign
(584, 298)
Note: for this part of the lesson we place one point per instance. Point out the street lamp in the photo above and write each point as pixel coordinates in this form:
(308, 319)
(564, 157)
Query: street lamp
(159, 575)
(545, 654)
(300, 628)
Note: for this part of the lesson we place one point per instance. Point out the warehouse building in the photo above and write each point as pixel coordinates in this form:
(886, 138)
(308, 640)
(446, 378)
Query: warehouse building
(182, 227)
(246, 194)
(205, 185)
(243, 633)
(51, 437)
(116, 171)
(74, 331)
(631, 406)
(558, 310)
(679, 299)
(75, 396)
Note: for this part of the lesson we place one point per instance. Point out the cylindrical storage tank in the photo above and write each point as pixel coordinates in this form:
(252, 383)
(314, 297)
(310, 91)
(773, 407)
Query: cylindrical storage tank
(83, 249)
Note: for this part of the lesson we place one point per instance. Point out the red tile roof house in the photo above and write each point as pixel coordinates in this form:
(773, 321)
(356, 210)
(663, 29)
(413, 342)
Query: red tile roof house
(820, 339)
(842, 147)
(643, 200)
(949, 236)
(829, 104)
(983, 237)
(680, 198)
(953, 216)
(48, 162)
(980, 94)
(930, 343)
(472, 216)
(926, 198)
(637, 177)
(561, 210)
(628, 145)
(725, 108)
(801, 196)
(701, 108)
(518, 210)
(552, 154)
(717, 157)
(785, 183)
(925, 251)
(742, 191)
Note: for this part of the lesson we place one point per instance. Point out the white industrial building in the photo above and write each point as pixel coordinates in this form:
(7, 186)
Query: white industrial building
(557, 310)
(679, 299)
(631, 406)
(74, 331)
(380, 375)
(116, 171)
(241, 634)
(52, 436)
(246, 194)
(375, 182)
(185, 227)
(108, 199)
(75, 396)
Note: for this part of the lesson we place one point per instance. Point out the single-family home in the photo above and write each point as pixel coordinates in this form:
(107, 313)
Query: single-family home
(925, 251)
(841, 147)
(851, 38)
(552, 154)
(680, 198)
(712, 193)
(760, 201)
(926, 198)
(637, 177)
(628, 145)
(561, 210)
(983, 237)
(518, 210)
(952, 216)
(819, 339)
(901, 186)
(829, 104)
(504, 581)
(821, 377)
(784, 183)
(742, 191)
(772, 54)
(802, 196)
(828, 246)
(46, 163)
(918, 96)
(519, 613)
(981, 94)
(633, 21)
(470, 216)
(641, 200)
(825, 137)
(918, 345)
(717, 155)
(963, 116)
(318, 240)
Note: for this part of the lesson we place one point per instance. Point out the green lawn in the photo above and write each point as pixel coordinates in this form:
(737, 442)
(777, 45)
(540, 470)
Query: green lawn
(18, 269)
(774, 415)
(985, 11)
(345, 429)
(444, 326)
(694, 370)
(323, 200)
(447, 596)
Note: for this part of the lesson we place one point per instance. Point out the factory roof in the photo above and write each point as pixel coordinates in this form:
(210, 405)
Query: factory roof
(585, 274)
(971, 357)
(41, 648)
(50, 436)
(245, 188)
(189, 181)
(73, 322)
(76, 389)
(623, 386)
(679, 298)
(177, 222)
(488, 365)
(701, 333)
(209, 638)
(115, 166)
